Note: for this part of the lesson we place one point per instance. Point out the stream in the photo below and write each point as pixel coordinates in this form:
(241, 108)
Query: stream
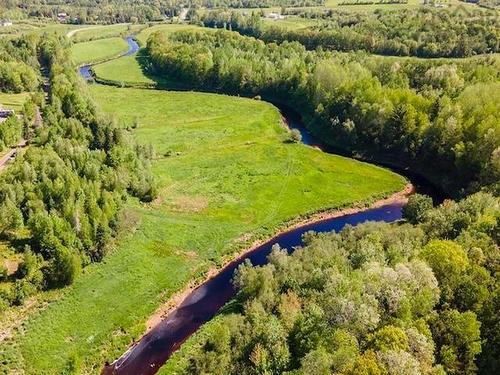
(148, 354)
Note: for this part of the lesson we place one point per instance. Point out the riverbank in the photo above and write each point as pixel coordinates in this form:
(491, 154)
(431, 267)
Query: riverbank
(226, 178)
(176, 300)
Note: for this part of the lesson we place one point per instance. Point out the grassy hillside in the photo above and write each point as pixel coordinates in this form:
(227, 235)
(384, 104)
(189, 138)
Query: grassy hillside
(98, 50)
(226, 178)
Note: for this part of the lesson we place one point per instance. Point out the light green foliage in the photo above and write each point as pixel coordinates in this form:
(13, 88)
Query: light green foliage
(360, 315)
(390, 338)
(225, 178)
(448, 262)
(397, 110)
(10, 132)
(402, 32)
(458, 336)
(416, 207)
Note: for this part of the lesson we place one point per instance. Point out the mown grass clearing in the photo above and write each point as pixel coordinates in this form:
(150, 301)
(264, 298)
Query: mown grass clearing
(226, 178)
(143, 36)
(127, 70)
(98, 50)
(13, 101)
(95, 32)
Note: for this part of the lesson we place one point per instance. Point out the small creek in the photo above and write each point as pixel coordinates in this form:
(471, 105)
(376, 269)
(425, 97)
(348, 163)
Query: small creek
(148, 354)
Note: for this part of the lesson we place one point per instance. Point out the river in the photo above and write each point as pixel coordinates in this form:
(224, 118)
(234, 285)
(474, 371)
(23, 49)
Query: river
(133, 47)
(148, 354)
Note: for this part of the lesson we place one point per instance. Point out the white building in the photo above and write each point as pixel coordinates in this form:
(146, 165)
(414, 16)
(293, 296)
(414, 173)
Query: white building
(275, 16)
(5, 23)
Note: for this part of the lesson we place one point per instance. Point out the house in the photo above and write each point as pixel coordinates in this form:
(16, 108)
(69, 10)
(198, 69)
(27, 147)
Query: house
(275, 16)
(5, 114)
(5, 23)
(62, 17)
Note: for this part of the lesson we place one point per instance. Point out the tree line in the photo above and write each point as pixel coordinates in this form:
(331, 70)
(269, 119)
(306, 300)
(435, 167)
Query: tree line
(419, 297)
(115, 11)
(422, 32)
(436, 117)
(61, 200)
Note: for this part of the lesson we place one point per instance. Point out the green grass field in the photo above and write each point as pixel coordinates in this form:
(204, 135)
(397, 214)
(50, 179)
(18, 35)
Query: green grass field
(226, 178)
(93, 32)
(98, 50)
(126, 70)
(165, 28)
(13, 101)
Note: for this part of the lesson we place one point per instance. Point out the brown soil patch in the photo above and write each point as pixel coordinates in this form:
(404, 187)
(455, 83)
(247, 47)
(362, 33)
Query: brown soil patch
(185, 203)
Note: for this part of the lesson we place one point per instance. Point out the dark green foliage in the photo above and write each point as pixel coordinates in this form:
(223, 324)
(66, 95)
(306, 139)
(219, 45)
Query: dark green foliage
(423, 32)
(134, 11)
(437, 118)
(416, 207)
(68, 187)
(346, 304)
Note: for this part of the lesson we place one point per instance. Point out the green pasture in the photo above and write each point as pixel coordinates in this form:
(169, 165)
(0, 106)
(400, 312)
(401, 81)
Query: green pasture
(98, 50)
(104, 31)
(13, 101)
(226, 177)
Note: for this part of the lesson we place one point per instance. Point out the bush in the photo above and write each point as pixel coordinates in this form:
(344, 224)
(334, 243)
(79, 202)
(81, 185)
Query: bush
(3, 273)
(295, 136)
(416, 207)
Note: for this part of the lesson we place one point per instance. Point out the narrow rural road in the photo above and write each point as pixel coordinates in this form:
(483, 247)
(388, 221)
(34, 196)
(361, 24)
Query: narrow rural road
(4, 160)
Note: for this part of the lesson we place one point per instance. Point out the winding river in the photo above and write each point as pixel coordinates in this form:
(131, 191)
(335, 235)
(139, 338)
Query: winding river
(148, 354)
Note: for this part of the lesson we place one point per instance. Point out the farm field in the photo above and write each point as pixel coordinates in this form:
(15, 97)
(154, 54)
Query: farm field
(98, 50)
(226, 178)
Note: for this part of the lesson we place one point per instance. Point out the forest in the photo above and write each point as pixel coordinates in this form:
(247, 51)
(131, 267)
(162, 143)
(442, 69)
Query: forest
(116, 11)
(414, 298)
(438, 118)
(422, 32)
(130, 194)
(61, 199)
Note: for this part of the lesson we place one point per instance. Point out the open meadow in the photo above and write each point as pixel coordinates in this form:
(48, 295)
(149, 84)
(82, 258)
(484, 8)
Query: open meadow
(98, 50)
(226, 177)
(13, 101)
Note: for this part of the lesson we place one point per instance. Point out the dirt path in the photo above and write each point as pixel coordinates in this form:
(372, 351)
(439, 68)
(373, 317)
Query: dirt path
(4, 160)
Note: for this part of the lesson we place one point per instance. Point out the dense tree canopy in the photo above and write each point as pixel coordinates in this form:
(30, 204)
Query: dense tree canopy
(114, 11)
(439, 118)
(423, 32)
(373, 299)
(62, 197)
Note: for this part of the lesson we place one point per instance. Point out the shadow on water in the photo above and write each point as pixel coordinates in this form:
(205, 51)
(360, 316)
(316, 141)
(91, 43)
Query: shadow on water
(148, 354)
